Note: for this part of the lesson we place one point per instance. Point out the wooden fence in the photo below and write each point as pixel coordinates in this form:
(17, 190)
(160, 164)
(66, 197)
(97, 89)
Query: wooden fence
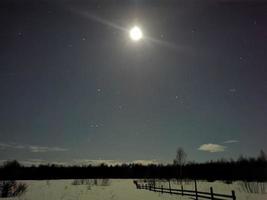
(193, 193)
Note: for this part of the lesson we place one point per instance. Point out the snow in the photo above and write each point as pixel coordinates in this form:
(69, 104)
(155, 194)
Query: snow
(122, 189)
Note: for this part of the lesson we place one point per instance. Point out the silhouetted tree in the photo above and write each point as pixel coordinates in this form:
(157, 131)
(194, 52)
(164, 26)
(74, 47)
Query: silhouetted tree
(262, 157)
(11, 164)
(180, 160)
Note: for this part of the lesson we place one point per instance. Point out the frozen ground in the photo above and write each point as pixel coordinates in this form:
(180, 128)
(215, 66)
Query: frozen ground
(124, 189)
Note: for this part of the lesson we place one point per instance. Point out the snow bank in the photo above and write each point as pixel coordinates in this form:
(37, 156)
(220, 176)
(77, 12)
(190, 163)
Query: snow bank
(122, 189)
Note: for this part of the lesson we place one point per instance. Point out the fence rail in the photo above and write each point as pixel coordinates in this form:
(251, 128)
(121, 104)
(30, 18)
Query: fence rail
(193, 193)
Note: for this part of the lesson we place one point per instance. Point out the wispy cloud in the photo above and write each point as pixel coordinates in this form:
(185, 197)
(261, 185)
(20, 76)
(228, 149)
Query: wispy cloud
(11, 145)
(31, 148)
(112, 162)
(231, 141)
(41, 149)
(96, 162)
(232, 90)
(212, 148)
(2, 161)
(37, 162)
(30, 162)
(145, 162)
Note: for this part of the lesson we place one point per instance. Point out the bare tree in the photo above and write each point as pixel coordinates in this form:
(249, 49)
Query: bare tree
(180, 160)
(262, 157)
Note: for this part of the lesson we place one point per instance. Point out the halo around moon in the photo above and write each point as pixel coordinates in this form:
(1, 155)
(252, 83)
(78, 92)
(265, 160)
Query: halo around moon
(135, 33)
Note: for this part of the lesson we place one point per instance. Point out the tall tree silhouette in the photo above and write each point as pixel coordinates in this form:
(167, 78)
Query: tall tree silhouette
(180, 160)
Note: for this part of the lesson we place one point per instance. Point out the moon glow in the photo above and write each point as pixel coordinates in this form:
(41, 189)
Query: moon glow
(135, 33)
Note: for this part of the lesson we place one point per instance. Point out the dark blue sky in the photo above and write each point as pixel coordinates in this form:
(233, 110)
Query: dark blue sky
(73, 86)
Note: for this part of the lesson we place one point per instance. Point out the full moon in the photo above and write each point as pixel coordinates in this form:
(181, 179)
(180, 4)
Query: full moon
(136, 33)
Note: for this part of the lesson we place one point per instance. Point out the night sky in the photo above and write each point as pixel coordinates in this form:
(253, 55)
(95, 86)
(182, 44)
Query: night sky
(74, 88)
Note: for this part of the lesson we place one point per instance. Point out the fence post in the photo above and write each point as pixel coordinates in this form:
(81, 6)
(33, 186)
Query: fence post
(161, 188)
(196, 189)
(182, 188)
(170, 187)
(233, 194)
(211, 193)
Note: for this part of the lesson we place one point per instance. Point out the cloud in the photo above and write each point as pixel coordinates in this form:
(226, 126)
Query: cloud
(112, 162)
(37, 162)
(30, 162)
(2, 162)
(231, 141)
(4, 146)
(232, 90)
(11, 145)
(31, 148)
(96, 162)
(212, 148)
(40, 149)
(145, 162)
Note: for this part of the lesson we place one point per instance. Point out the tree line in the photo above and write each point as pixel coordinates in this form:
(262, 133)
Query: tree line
(249, 169)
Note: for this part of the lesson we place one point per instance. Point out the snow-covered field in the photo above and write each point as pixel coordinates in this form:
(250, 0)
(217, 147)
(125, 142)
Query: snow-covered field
(124, 189)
